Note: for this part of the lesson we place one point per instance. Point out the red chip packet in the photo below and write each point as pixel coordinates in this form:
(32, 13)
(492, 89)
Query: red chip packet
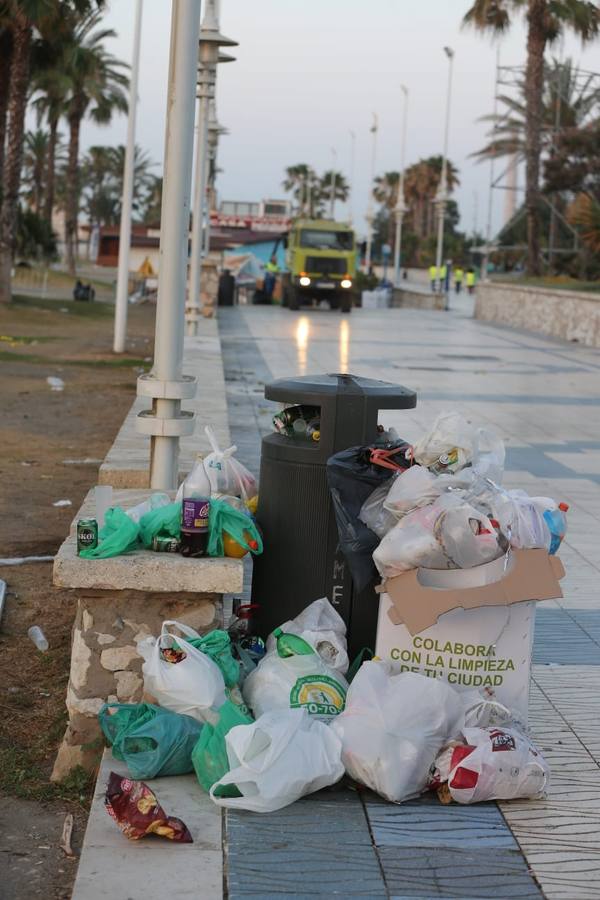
(137, 812)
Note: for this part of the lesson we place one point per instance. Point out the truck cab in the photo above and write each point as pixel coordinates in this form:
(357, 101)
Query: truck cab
(321, 264)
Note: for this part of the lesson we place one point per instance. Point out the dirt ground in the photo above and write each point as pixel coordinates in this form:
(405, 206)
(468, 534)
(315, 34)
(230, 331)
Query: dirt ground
(52, 443)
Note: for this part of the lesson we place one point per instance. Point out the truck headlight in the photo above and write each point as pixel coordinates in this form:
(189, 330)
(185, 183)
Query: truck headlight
(304, 281)
(346, 283)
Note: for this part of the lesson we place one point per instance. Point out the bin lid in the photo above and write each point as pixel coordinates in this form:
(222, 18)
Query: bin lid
(309, 388)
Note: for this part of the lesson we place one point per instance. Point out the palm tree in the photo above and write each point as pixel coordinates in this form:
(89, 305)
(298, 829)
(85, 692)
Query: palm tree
(97, 86)
(302, 181)
(546, 21)
(341, 190)
(5, 61)
(20, 18)
(34, 164)
(386, 187)
(153, 201)
(142, 177)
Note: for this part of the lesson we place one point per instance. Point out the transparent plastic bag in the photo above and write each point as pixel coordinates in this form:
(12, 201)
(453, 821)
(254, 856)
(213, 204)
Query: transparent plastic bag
(447, 534)
(226, 474)
(373, 513)
(324, 629)
(453, 443)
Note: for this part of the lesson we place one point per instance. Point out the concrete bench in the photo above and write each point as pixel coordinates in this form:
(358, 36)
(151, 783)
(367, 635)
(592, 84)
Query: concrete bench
(120, 601)
(127, 462)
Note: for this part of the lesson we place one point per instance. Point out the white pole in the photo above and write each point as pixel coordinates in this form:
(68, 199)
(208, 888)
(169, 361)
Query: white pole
(332, 186)
(122, 299)
(400, 207)
(351, 193)
(488, 230)
(175, 221)
(201, 178)
(369, 215)
(443, 188)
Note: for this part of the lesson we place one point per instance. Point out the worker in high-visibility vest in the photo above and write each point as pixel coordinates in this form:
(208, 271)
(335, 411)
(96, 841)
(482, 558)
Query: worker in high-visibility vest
(458, 279)
(433, 274)
(470, 280)
(271, 270)
(443, 276)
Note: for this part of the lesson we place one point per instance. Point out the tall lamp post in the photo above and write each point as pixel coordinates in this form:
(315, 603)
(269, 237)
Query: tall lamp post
(208, 54)
(369, 216)
(165, 385)
(214, 132)
(122, 299)
(400, 208)
(442, 194)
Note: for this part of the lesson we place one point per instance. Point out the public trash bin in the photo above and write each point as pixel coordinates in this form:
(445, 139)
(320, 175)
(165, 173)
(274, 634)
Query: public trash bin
(301, 560)
(226, 291)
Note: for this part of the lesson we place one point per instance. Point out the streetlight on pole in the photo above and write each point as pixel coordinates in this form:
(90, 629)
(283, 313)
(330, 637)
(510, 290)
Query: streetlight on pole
(400, 204)
(122, 298)
(442, 194)
(351, 192)
(332, 185)
(165, 385)
(208, 54)
(369, 216)
(214, 131)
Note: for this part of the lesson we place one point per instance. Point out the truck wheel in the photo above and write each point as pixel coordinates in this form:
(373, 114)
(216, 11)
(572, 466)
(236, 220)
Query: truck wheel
(294, 300)
(346, 303)
(285, 296)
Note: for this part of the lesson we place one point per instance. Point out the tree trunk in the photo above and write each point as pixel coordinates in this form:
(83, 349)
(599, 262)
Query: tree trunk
(72, 203)
(5, 60)
(50, 168)
(17, 102)
(534, 85)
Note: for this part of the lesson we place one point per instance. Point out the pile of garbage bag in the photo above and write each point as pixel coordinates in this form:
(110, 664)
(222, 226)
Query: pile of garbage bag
(302, 718)
(438, 504)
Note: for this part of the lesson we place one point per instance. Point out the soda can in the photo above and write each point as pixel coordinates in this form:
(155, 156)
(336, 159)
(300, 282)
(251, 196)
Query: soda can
(87, 534)
(162, 544)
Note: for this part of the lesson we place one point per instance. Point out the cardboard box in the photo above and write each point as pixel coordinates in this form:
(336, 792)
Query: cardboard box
(473, 627)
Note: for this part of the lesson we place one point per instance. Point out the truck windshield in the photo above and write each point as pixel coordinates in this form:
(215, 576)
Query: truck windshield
(315, 239)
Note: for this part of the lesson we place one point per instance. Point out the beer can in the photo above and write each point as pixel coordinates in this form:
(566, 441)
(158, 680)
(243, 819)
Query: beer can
(87, 534)
(162, 544)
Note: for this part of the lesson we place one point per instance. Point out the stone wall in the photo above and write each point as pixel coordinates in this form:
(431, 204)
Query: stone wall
(105, 665)
(407, 299)
(570, 315)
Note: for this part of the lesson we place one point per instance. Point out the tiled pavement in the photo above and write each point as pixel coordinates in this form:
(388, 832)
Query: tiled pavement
(544, 397)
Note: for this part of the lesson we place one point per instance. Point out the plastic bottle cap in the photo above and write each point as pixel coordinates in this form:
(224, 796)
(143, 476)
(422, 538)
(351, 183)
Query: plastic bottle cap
(563, 507)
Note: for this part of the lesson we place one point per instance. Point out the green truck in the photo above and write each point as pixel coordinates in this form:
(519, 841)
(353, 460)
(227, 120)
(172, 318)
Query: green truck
(321, 264)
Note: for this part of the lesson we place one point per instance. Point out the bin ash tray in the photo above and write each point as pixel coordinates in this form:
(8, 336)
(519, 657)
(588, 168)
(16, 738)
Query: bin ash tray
(421, 596)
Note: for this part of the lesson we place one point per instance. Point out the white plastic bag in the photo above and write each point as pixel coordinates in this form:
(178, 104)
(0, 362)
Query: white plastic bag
(295, 681)
(393, 728)
(226, 474)
(495, 763)
(324, 629)
(373, 512)
(448, 534)
(448, 445)
(193, 687)
(281, 757)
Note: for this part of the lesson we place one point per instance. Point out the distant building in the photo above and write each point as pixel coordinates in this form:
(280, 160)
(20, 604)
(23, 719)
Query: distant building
(235, 225)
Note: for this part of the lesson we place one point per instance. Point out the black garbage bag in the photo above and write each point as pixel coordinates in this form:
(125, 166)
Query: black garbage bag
(352, 475)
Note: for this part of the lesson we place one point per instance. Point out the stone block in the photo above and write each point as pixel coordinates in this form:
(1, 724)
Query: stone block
(118, 658)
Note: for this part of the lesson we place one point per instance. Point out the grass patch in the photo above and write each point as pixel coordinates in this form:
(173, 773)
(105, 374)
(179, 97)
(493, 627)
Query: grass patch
(16, 340)
(84, 310)
(21, 776)
(127, 362)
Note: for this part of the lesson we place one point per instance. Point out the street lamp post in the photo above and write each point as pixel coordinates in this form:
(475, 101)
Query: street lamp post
(400, 208)
(214, 132)
(122, 299)
(332, 186)
(442, 194)
(369, 216)
(208, 54)
(165, 385)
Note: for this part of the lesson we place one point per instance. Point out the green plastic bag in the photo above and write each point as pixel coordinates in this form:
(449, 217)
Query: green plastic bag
(209, 756)
(152, 741)
(223, 517)
(163, 520)
(217, 645)
(119, 535)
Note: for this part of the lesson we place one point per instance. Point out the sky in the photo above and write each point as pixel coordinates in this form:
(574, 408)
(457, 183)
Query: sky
(308, 72)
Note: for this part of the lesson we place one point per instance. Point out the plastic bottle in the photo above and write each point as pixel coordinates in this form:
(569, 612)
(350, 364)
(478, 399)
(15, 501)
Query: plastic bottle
(291, 645)
(556, 522)
(195, 508)
(38, 637)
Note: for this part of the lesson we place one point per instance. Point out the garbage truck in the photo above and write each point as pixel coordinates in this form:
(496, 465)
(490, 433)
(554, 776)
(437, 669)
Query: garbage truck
(320, 263)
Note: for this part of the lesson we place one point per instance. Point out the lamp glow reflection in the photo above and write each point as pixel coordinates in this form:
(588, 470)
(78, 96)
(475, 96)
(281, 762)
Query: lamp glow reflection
(344, 345)
(302, 335)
